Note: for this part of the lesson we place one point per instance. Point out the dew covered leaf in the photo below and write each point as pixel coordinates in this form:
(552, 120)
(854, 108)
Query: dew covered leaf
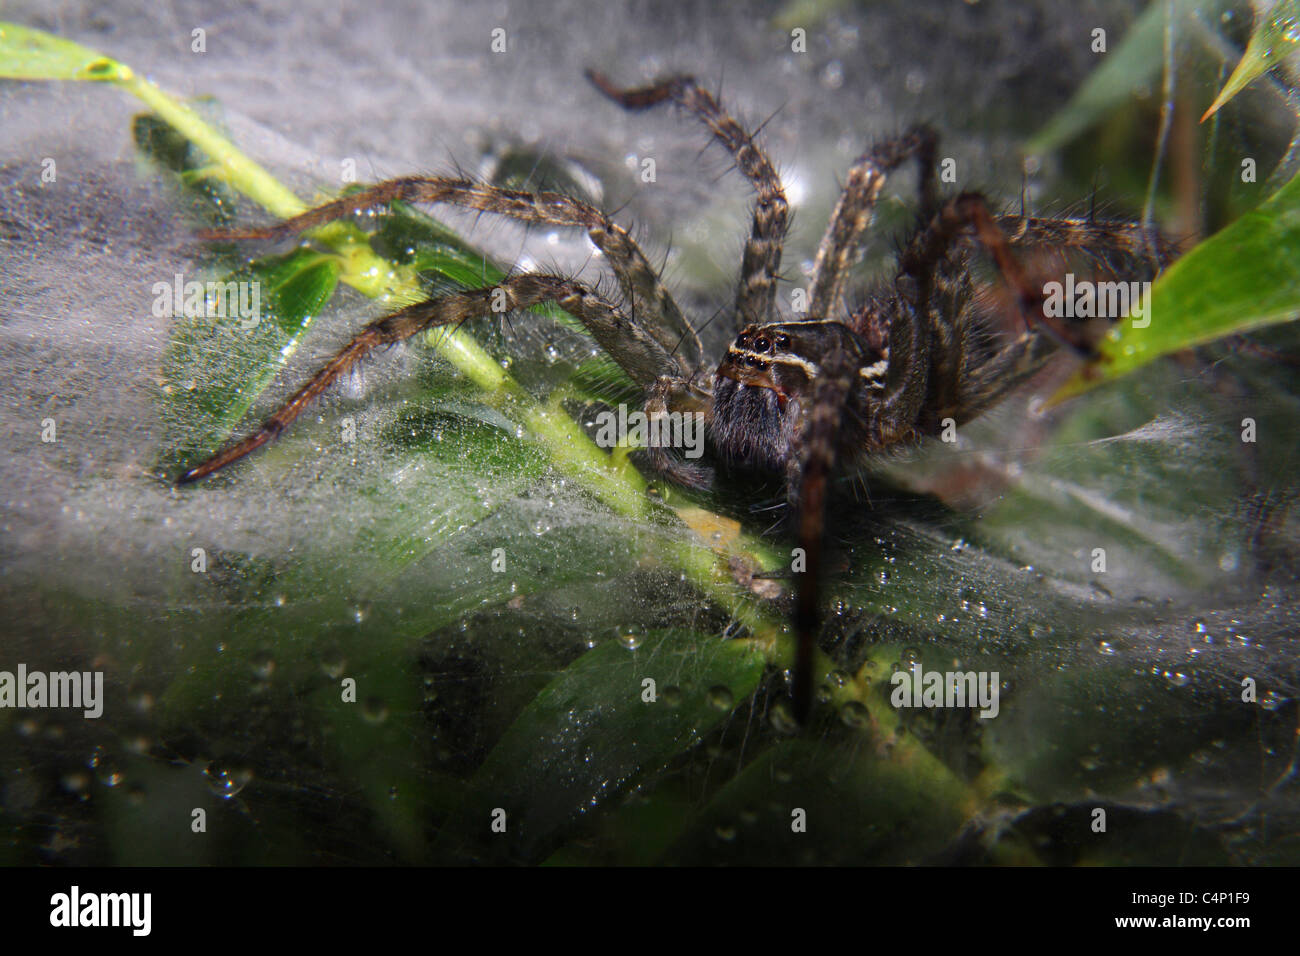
(858, 806)
(216, 366)
(589, 736)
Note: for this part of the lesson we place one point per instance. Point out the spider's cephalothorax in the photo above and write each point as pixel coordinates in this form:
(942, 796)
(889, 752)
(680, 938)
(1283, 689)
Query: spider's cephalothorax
(801, 396)
(763, 390)
(763, 387)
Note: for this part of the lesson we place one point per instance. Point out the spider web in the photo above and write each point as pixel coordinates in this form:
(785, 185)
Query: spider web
(374, 559)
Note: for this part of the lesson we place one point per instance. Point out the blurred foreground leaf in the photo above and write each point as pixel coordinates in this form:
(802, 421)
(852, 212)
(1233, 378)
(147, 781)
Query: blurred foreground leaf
(589, 735)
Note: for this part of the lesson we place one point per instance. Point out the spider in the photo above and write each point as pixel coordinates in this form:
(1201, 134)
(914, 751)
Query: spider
(799, 395)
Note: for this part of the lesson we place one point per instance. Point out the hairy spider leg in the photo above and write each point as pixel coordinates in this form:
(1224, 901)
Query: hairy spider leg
(648, 297)
(643, 353)
(808, 479)
(756, 294)
(841, 246)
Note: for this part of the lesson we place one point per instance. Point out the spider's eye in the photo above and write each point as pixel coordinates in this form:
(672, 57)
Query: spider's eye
(763, 344)
(742, 341)
(782, 340)
(754, 362)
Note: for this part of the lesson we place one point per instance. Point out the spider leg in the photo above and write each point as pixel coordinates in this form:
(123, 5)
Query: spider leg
(668, 395)
(1006, 369)
(973, 390)
(644, 357)
(808, 480)
(999, 375)
(756, 296)
(941, 291)
(841, 246)
(636, 276)
(1097, 237)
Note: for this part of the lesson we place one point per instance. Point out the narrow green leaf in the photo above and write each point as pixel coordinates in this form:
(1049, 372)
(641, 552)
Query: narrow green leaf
(1275, 37)
(589, 735)
(1242, 278)
(1121, 71)
(27, 54)
(440, 257)
(215, 366)
(868, 809)
(215, 203)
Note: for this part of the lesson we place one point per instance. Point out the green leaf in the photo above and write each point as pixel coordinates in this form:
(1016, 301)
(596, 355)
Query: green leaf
(1132, 63)
(1241, 278)
(1275, 37)
(590, 736)
(859, 807)
(411, 237)
(216, 367)
(163, 144)
(440, 257)
(27, 54)
(1122, 71)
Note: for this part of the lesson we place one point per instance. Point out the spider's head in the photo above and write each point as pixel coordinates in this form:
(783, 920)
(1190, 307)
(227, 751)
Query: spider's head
(761, 386)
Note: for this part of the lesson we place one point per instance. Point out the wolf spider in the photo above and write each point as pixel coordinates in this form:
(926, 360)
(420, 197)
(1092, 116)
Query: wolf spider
(800, 395)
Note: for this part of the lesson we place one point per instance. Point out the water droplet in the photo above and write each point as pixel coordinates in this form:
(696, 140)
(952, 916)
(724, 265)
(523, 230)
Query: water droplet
(1177, 678)
(333, 663)
(726, 832)
(374, 710)
(75, 782)
(629, 637)
(721, 698)
(672, 696)
(854, 714)
(263, 665)
(782, 718)
(227, 782)
(833, 75)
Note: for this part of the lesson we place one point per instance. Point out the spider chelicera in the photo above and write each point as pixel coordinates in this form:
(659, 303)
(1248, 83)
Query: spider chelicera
(800, 395)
